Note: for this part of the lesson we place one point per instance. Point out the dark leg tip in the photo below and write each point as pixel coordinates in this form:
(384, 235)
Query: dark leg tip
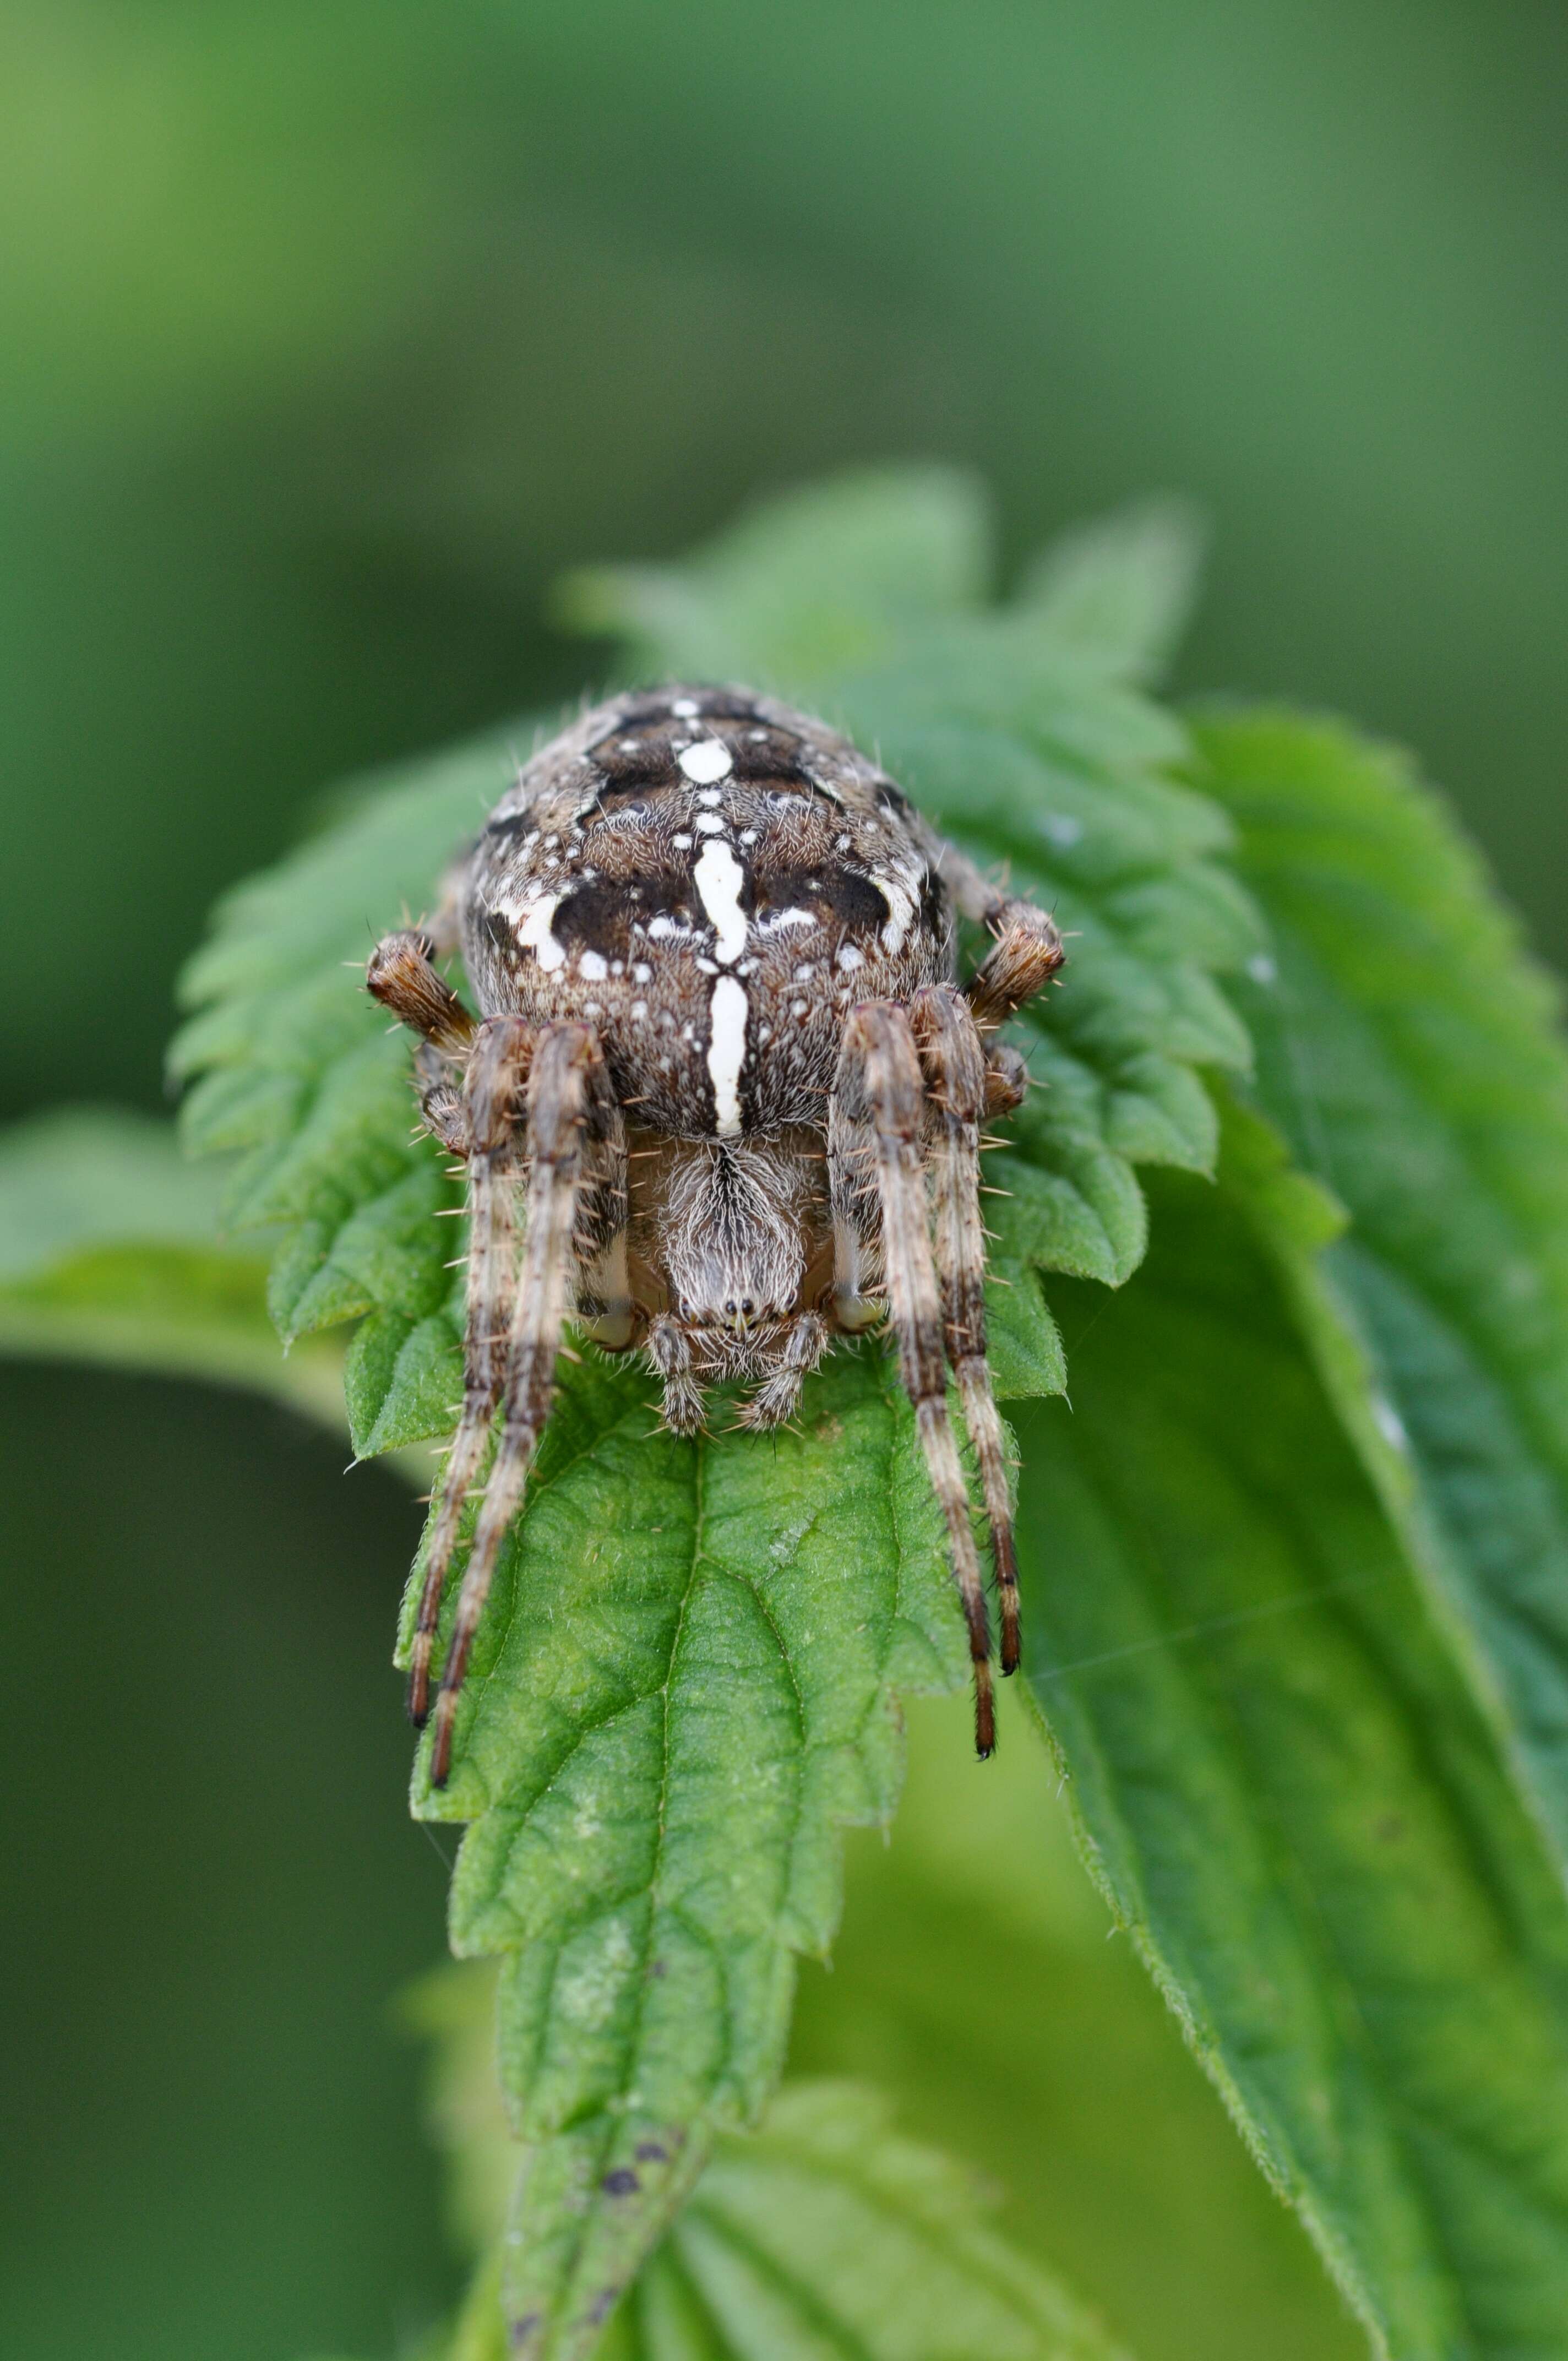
(441, 1752)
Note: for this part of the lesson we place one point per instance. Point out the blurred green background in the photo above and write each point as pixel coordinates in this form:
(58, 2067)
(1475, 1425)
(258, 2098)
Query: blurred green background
(331, 334)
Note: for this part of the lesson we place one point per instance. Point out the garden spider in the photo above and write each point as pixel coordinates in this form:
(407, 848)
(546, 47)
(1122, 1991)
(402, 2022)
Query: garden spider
(725, 1083)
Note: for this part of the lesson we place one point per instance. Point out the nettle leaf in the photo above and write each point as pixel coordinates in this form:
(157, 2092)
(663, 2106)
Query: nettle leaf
(826, 2233)
(1410, 1056)
(291, 1064)
(830, 577)
(684, 1683)
(111, 1252)
(684, 1687)
(1121, 589)
(1285, 1786)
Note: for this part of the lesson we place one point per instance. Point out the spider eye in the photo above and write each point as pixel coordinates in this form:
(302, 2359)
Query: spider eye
(747, 1306)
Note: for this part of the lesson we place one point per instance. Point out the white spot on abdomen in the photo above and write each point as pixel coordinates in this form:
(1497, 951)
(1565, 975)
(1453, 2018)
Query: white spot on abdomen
(533, 928)
(719, 878)
(728, 1012)
(707, 761)
(901, 911)
(593, 966)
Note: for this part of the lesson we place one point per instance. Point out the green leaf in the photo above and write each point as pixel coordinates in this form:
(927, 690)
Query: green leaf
(1410, 1056)
(110, 1251)
(683, 1686)
(1286, 1790)
(826, 2233)
(292, 1064)
(1121, 589)
(685, 1680)
(1113, 2158)
(825, 579)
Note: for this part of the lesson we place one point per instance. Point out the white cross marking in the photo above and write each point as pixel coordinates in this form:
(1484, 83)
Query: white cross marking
(728, 1012)
(719, 878)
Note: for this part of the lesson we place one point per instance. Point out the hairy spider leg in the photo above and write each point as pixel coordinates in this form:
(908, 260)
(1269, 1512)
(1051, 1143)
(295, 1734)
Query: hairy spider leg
(1023, 958)
(1027, 950)
(568, 1087)
(778, 1399)
(399, 975)
(952, 1058)
(493, 1102)
(670, 1354)
(477, 1121)
(881, 1096)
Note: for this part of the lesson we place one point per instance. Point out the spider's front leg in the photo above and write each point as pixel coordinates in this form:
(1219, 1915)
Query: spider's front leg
(471, 1082)
(492, 1112)
(799, 1349)
(401, 975)
(1026, 953)
(877, 1139)
(569, 1110)
(958, 1082)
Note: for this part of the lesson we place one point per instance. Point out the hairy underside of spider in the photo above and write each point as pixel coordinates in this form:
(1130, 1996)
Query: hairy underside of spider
(724, 1100)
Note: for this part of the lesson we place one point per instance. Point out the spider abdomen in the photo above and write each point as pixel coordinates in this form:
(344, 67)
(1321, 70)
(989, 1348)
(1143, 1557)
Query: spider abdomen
(711, 880)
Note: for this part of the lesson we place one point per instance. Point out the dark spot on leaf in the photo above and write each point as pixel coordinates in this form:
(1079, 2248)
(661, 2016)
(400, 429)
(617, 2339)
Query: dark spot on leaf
(602, 2305)
(522, 2332)
(622, 2183)
(649, 2152)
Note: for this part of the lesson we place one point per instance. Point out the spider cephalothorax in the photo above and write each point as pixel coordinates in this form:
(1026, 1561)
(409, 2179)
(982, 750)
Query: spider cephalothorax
(724, 1099)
